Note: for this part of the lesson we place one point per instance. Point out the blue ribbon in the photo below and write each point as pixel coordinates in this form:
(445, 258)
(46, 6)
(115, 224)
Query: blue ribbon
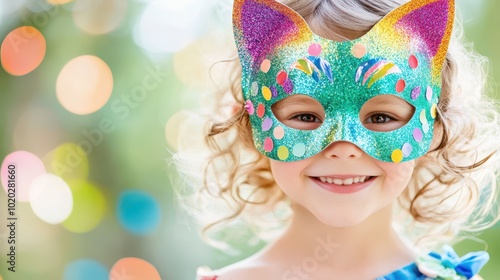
(468, 265)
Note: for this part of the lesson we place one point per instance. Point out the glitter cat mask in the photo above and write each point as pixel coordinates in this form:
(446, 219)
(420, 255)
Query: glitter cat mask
(401, 55)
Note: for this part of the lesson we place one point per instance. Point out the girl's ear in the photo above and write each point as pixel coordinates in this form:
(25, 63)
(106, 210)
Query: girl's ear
(260, 26)
(425, 25)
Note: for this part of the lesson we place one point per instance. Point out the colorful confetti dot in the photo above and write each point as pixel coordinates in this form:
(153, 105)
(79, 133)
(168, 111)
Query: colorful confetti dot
(434, 111)
(279, 132)
(282, 153)
(254, 90)
(138, 212)
(358, 50)
(299, 149)
(413, 61)
(428, 93)
(417, 134)
(397, 156)
(314, 49)
(261, 110)
(400, 85)
(274, 91)
(267, 124)
(425, 127)
(288, 86)
(266, 93)
(265, 65)
(268, 144)
(415, 93)
(423, 119)
(281, 77)
(407, 148)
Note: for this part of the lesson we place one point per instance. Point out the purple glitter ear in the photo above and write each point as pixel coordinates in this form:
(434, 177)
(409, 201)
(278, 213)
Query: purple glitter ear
(262, 26)
(429, 23)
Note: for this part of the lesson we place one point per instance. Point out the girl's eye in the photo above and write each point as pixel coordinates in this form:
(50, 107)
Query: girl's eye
(306, 118)
(379, 118)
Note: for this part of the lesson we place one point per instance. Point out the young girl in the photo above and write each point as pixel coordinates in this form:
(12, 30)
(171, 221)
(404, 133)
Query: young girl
(367, 118)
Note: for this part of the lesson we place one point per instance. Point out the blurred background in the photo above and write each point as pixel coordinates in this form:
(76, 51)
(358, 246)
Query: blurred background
(93, 95)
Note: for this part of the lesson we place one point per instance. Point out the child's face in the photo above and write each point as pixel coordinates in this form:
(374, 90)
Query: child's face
(342, 185)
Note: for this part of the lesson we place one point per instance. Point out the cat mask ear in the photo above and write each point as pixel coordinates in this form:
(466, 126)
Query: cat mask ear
(263, 26)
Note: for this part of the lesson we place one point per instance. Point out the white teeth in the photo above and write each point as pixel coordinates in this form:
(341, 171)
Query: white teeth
(337, 181)
(347, 181)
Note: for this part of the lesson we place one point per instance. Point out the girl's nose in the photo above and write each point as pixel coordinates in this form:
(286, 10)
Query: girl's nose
(342, 150)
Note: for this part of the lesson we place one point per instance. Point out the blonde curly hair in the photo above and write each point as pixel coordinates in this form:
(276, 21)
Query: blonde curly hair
(453, 188)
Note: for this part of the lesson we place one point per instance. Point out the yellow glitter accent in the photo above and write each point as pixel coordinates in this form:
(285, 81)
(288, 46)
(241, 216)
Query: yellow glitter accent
(282, 152)
(266, 93)
(397, 156)
(433, 111)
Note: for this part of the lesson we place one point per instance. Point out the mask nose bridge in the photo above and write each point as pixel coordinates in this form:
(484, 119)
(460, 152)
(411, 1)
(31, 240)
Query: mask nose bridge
(343, 126)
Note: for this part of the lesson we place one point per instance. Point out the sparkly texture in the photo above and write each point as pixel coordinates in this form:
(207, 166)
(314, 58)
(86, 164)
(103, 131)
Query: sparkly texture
(406, 149)
(397, 156)
(282, 153)
(299, 149)
(314, 49)
(400, 85)
(268, 144)
(415, 93)
(249, 107)
(267, 124)
(413, 61)
(265, 66)
(266, 93)
(358, 50)
(395, 57)
(261, 110)
(278, 132)
(417, 135)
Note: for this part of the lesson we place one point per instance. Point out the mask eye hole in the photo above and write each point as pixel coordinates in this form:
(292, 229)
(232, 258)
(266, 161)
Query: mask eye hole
(386, 113)
(300, 112)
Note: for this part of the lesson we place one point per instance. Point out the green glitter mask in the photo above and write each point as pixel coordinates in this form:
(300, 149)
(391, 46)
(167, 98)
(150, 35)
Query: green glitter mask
(401, 55)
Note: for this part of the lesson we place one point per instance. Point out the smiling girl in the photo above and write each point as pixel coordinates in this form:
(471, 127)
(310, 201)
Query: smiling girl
(367, 118)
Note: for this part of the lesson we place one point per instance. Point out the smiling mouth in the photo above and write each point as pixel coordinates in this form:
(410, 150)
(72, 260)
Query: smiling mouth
(344, 181)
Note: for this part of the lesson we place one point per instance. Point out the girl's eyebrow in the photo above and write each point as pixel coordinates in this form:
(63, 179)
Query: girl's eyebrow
(392, 102)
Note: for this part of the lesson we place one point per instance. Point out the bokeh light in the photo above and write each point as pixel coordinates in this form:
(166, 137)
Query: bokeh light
(50, 198)
(168, 26)
(134, 268)
(197, 64)
(59, 2)
(84, 85)
(138, 212)
(27, 167)
(99, 16)
(36, 129)
(89, 206)
(86, 269)
(173, 126)
(22, 50)
(68, 161)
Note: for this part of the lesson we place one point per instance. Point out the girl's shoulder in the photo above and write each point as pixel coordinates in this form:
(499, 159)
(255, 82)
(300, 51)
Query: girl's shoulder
(444, 265)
